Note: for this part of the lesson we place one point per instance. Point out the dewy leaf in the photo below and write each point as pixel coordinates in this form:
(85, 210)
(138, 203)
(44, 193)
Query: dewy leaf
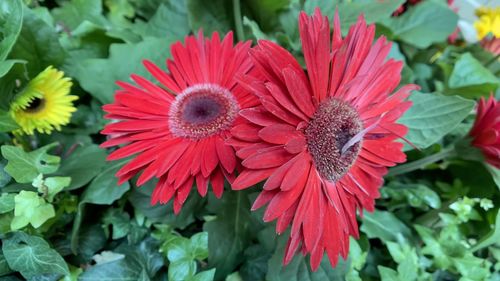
(98, 76)
(423, 24)
(38, 43)
(299, 270)
(82, 165)
(384, 225)
(11, 19)
(209, 15)
(72, 13)
(471, 78)
(230, 233)
(30, 209)
(32, 256)
(25, 166)
(432, 116)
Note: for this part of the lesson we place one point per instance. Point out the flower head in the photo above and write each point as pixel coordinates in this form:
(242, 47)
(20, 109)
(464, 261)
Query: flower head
(324, 138)
(488, 22)
(486, 130)
(178, 128)
(45, 103)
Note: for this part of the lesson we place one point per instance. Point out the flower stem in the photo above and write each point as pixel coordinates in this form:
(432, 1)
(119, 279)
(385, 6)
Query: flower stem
(240, 34)
(421, 163)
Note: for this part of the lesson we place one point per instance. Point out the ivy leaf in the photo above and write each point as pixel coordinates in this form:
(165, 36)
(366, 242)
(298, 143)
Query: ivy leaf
(82, 165)
(7, 124)
(30, 209)
(11, 20)
(432, 116)
(423, 24)
(50, 186)
(471, 79)
(26, 166)
(4, 267)
(384, 225)
(7, 202)
(32, 256)
(120, 222)
(387, 274)
(230, 233)
(203, 276)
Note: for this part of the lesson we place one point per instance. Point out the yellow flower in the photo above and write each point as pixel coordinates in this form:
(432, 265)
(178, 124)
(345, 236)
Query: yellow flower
(45, 103)
(488, 23)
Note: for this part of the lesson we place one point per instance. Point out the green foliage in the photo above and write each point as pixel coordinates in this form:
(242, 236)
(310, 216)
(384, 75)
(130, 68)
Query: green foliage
(63, 216)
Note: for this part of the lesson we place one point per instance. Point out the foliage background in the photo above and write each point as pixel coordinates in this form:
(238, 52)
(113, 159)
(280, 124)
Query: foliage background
(63, 217)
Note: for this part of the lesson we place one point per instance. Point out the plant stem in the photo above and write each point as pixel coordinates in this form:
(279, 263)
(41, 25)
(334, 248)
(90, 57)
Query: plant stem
(240, 34)
(421, 163)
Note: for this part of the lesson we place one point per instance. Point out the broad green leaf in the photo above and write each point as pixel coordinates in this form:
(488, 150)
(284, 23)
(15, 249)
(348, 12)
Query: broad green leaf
(495, 173)
(32, 256)
(7, 202)
(120, 222)
(26, 166)
(98, 76)
(103, 190)
(423, 24)
(30, 209)
(210, 15)
(349, 11)
(385, 226)
(4, 267)
(11, 19)
(203, 276)
(120, 11)
(7, 124)
(299, 270)
(6, 65)
(493, 237)
(388, 274)
(432, 116)
(82, 165)
(169, 22)
(417, 195)
(230, 233)
(38, 44)
(50, 186)
(140, 262)
(72, 13)
(255, 262)
(471, 79)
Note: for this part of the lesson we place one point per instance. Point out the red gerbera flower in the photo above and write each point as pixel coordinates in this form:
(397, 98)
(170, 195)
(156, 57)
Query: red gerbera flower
(178, 128)
(323, 138)
(486, 130)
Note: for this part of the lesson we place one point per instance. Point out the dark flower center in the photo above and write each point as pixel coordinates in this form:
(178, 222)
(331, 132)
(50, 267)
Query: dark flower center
(35, 105)
(330, 140)
(202, 110)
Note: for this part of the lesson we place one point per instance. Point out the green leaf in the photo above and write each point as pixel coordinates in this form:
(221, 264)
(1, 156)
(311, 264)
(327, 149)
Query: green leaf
(49, 187)
(120, 222)
(209, 15)
(495, 173)
(4, 267)
(11, 19)
(120, 11)
(72, 13)
(169, 21)
(203, 276)
(38, 43)
(299, 270)
(30, 209)
(26, 166)
(82, 165)
(7, 124)
(32, 256)
(7, 202)
(432, 116)
(199, 245)
(230, 233)
(423, 24)
(385, 226)
(417, 195)
(387, 274)
(493, 237)
(124, 60)
(103, 190)
(471, 79)
(5, 67)
(140, 262)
